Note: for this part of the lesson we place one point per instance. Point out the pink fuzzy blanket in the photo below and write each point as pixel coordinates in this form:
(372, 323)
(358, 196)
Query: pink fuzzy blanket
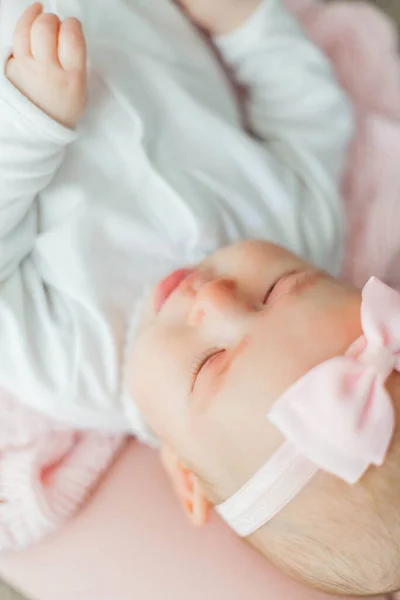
(362, 44)
(46, 473)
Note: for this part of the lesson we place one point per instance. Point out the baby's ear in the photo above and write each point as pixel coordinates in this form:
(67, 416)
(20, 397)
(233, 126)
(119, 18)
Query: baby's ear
(187, 487)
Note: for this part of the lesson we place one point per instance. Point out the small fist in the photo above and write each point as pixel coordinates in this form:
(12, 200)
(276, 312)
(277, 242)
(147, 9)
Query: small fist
(48, 64)
(219, 17)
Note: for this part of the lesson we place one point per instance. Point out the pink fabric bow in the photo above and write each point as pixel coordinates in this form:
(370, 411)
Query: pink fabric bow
(339, 415)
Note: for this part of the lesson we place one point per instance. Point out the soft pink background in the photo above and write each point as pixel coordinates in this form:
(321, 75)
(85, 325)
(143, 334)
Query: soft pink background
(132, 542)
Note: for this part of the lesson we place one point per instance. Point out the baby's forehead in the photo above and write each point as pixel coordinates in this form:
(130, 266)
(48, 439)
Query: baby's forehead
(247, 370)
(272, 355)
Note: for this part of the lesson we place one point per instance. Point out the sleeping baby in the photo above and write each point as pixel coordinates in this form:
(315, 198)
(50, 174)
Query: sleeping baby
(158, 173)
(255, 332)
(113, 318)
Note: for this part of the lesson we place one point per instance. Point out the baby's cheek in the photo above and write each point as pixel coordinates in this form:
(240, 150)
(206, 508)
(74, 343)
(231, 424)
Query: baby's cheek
(154, 380)
(147, 394)
(142, 372)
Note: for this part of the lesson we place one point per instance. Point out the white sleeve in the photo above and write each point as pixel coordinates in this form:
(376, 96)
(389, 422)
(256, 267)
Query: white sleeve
(65, 333)
(300, 114)
(31, 151)
(40, 325)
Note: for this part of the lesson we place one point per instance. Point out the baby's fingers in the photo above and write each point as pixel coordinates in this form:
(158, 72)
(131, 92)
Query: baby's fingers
(22, 35)
(44, 39)
(72, 46)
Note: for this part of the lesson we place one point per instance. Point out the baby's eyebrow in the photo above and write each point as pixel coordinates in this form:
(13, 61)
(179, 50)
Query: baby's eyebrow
(222, 371)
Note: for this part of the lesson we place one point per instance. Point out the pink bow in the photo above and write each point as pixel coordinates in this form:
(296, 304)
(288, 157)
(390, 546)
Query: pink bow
(339, 415)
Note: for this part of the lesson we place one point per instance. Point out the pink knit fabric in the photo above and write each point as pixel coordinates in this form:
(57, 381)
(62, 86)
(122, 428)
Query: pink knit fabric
(362, 44)
(46, 470)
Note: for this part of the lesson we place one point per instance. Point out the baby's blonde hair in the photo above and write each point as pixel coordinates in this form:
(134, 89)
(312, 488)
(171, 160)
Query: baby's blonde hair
(339, 538)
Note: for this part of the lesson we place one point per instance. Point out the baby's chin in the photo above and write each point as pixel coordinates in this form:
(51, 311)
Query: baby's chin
(147, 310)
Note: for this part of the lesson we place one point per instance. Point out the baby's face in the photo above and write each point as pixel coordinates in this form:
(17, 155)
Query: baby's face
(220, 344)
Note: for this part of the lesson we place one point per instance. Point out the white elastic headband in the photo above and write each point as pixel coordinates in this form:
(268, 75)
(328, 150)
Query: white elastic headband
(277, 482)
(338, 417)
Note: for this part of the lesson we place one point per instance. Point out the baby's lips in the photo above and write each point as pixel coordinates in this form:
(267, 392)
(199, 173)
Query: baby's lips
(168, 285)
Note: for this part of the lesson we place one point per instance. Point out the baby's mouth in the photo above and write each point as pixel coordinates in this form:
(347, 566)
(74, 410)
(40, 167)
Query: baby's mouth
(168, 285)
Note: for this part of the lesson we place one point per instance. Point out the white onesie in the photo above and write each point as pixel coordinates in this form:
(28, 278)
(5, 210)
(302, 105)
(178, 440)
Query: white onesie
(159, 174)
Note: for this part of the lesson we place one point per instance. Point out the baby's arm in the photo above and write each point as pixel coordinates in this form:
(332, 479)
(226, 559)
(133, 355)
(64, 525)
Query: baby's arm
(42, 94)
(64, 292)
(296, 108)
(44, 77)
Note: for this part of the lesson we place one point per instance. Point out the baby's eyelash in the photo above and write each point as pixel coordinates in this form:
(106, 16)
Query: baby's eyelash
(201, 361)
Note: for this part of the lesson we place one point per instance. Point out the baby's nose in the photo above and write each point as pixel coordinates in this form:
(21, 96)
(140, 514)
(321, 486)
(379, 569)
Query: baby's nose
(218, 300)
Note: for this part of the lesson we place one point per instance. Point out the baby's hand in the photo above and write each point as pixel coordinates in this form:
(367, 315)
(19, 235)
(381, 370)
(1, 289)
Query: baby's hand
(48, 64)
(219, 17)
